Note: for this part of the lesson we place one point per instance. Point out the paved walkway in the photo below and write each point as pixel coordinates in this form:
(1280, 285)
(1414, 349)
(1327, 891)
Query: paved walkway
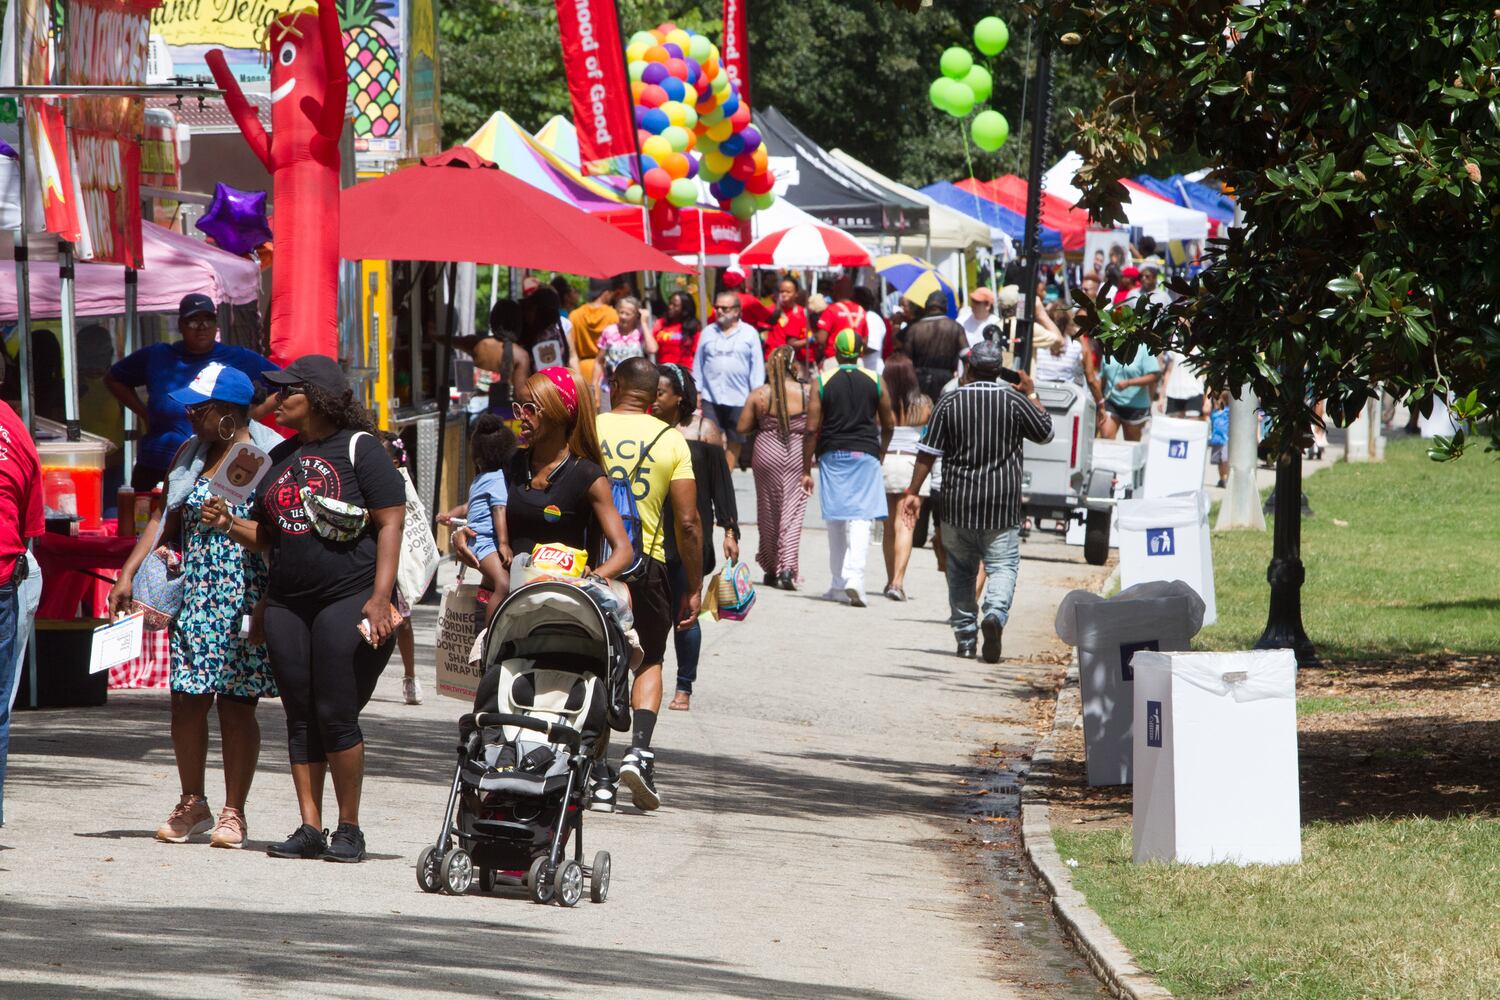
(811, 844)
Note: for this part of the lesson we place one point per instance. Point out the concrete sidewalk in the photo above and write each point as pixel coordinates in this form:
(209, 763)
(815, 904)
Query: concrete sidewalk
(808, 846)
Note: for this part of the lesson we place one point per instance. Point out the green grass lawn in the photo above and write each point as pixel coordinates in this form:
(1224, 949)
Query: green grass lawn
(1393, 910)
(1417, 569)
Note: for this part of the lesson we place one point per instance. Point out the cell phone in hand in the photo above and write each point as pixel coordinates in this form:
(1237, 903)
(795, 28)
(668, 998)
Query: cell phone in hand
(364, 631)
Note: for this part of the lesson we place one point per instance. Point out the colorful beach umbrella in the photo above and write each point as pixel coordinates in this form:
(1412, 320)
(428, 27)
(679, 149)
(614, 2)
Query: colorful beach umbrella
(805, 246)
(915, 279)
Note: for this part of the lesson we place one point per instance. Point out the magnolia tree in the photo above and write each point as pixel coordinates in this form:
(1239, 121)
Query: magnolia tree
(1362, 140)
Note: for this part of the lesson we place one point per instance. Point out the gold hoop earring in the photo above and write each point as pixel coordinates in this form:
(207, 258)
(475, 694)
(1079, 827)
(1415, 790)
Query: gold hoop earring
(229, 434)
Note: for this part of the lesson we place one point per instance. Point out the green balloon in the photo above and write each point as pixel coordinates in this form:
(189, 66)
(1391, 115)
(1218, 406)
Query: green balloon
(980, 83)
(956, 63)
(938, 93)
(638, 69)
(991, 36)
(743, 205)
(677, 137)
(960, 100)
(634, 194)
(683, 193)
(700, 47)
(990, 130)
(764, 201)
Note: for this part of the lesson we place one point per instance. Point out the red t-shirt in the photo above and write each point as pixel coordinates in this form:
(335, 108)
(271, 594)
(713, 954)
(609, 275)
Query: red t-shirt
(846, 315)
(20, 491)
(790, 325)
(672, 346)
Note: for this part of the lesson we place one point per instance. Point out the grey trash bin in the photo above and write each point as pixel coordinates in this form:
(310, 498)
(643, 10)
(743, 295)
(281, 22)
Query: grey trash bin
(1161, 617)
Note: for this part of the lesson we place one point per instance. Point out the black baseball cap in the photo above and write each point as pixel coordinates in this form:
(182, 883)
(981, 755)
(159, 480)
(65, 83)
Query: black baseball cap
(195, 304)
(986, 358)
(312, 369)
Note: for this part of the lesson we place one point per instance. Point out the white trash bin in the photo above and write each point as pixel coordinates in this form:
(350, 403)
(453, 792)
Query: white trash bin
(1166, 538)
(1107, 633)
(1176, 457)
(1216, 758)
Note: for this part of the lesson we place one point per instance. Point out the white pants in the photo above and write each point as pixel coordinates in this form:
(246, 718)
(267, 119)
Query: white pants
(848, 545)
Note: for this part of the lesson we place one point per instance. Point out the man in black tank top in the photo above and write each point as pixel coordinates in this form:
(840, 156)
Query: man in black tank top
(849, 427)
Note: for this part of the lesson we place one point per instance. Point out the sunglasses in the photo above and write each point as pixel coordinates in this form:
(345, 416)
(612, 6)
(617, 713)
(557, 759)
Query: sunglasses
(196, 410)
(518, 410)
(291, 390)
(201, 319)
(726, 309)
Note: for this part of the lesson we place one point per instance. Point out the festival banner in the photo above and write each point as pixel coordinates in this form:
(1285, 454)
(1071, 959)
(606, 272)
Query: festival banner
(424, 133)
(48, 135)
(107, 42)
(736, 47)
(594, 62)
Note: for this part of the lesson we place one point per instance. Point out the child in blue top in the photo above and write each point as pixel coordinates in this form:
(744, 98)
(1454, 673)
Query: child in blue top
(492, 445)
(1218, 436)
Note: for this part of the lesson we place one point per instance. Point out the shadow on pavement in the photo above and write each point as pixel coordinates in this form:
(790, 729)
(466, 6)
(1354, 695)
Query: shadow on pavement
(470, 953)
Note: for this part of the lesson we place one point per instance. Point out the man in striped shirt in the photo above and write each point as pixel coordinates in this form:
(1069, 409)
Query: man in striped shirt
(978, 431)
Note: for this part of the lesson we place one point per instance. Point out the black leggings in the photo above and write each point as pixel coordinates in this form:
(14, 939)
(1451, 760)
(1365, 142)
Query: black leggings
(325, 671)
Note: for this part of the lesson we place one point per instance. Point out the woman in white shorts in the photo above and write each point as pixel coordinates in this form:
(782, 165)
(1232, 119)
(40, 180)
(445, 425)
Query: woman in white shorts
(912, 410)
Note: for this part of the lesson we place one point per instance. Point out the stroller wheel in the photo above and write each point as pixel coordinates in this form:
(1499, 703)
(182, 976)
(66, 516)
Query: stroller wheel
(486, 880)
(456, 873)
(427, 869)
(599, 878)
(568, 883)
(539, 881)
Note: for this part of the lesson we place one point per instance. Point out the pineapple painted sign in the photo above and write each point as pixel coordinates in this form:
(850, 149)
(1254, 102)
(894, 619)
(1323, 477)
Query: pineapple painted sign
(373, 33)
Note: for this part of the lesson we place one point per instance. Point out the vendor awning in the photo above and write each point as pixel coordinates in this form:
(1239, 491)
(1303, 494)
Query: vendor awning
(1057, 214)
(174, 266)
(947, 230)
(996, 216)
(1206, 198)
(810, 178)
(1155, 216)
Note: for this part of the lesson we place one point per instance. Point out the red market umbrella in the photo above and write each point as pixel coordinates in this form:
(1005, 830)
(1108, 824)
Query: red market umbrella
(805, 245)
(457, 206)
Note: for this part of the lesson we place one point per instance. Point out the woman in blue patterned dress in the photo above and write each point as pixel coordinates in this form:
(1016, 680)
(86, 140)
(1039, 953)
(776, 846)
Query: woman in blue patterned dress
(217, 653)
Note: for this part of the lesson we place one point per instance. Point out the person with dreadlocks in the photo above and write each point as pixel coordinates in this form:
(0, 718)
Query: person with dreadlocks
(778, 410)
(676, 401)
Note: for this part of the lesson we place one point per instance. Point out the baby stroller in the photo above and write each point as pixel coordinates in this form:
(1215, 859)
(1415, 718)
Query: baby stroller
(555, 674)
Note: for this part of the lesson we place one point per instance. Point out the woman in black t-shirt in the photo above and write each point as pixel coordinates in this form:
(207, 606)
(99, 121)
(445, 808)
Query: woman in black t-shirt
(332, 574)
(558, 492)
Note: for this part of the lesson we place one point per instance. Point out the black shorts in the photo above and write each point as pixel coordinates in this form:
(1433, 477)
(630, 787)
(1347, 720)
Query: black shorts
(651, 602)
(1188, 404)
(728, 419)
(1132, 415)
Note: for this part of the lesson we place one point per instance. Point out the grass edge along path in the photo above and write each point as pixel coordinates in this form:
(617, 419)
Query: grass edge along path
(1390, 909)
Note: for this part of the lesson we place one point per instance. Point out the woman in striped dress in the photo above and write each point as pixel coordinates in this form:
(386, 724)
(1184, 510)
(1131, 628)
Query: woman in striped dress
(777, 412)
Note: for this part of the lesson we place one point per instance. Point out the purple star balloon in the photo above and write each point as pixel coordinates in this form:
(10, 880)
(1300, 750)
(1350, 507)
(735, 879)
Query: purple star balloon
(236, 219)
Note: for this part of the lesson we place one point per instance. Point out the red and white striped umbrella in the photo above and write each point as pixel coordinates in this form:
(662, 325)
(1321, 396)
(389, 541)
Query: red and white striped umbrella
(805, 245)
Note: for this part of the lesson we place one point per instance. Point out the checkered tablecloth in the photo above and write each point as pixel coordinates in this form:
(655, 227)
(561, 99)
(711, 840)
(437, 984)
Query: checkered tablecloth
(150, 669)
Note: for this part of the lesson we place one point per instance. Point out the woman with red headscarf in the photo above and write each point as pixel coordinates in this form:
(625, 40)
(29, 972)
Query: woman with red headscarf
(558, 492)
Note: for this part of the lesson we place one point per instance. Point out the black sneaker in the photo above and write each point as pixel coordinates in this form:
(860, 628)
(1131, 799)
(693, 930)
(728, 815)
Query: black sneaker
(786, 581)
(967, 649)
(638, 773)
(769, 580)
(992, 630)
(307, 842)
(602, 799)
(347, 845)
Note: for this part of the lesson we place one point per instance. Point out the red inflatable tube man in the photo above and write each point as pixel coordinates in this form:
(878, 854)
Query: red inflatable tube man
(309, 85)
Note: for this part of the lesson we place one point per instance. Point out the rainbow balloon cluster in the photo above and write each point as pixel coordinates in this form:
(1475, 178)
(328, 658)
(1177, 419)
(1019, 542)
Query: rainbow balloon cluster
(692, 125)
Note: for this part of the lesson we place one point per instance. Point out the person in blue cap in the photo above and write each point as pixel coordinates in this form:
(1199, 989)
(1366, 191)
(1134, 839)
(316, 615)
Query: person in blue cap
(215, 655)
(164, 368)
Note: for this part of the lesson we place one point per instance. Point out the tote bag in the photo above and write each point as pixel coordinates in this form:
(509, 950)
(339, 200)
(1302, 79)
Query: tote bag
(419, 551)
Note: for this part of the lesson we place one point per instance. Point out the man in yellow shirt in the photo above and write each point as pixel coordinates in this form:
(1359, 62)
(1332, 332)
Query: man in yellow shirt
(655, 459)
(591, 319)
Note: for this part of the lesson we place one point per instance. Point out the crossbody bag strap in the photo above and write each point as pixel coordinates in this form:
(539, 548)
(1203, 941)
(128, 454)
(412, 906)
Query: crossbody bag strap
(660, 521)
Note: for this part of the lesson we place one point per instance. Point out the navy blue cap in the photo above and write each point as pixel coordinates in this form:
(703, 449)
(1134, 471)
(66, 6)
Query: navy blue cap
(195, 304)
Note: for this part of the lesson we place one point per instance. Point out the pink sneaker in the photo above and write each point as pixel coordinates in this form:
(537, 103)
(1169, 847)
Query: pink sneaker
(231, 830)
(190, 818)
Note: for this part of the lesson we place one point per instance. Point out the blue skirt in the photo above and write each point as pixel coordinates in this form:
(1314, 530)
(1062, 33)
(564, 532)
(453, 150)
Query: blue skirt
(851, 487)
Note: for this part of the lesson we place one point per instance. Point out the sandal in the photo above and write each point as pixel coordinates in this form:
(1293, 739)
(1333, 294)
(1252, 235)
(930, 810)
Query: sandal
(681, 702)
(895, 593)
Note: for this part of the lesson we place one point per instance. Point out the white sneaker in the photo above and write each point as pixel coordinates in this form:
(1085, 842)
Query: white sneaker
(411, 690)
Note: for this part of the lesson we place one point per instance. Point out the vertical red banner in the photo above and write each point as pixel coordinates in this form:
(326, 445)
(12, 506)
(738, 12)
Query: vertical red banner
(594, 62)
(736, 47)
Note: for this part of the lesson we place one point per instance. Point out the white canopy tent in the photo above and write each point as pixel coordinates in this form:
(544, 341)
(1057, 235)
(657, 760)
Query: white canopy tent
(1155, 216)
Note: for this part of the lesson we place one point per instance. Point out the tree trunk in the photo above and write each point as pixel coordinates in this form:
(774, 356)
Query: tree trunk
(1285, 575)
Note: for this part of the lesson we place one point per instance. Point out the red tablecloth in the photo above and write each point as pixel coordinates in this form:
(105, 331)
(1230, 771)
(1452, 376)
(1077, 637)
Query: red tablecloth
(69, 582)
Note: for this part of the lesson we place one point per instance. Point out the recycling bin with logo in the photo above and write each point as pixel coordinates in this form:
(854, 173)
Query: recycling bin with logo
(1107, 634)
(1216, 758)
(1166, 538)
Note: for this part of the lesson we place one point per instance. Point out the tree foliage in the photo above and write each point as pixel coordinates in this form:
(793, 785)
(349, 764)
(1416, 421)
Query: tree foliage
(1363, 141)
(852, 75)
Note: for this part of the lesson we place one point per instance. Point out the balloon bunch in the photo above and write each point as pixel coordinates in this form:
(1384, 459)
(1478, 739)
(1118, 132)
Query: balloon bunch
(965, 84)
(692, 125)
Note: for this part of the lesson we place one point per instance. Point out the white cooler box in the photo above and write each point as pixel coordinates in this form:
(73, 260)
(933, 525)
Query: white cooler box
(1216, 758)
(1176, 457)
(1166, 538)
(1106, 634)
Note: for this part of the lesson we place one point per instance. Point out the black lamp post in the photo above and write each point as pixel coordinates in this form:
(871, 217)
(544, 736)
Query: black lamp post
(1286, 573)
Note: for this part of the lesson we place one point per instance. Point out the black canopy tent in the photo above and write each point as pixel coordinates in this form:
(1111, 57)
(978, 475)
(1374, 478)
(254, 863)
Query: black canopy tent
(829, 191)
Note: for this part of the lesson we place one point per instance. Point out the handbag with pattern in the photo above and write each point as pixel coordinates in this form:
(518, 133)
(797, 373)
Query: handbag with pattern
(157, 587)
